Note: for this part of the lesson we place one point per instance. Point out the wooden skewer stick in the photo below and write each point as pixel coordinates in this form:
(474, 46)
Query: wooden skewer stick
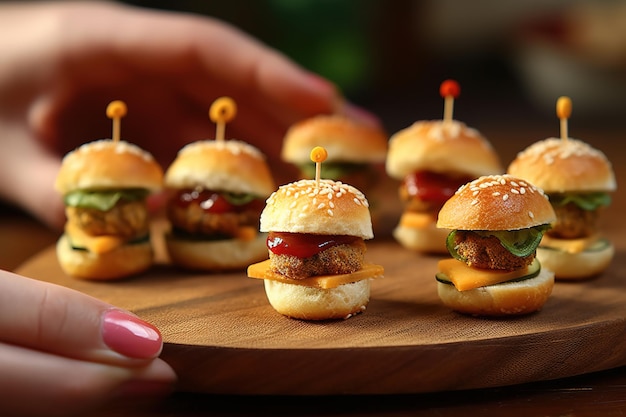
(116, 110)
(318, 155)
(449, 90)
(563, 112)
(222, 111)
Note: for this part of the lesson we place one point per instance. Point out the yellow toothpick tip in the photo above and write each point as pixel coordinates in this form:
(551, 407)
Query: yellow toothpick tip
(116, 109)
(319, 154)
(564, 107)
(223, 110)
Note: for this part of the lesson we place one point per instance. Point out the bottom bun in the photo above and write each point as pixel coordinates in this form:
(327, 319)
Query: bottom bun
(216, 255)
(122, 262)
(312, 303)
(425, 238)
(505, 299)
(576, 266)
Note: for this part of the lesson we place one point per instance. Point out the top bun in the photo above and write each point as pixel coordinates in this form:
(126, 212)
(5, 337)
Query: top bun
(108, 164)
(332, 208)
(221, 165)
(345, 139)
(496, 202)
(559, 166)
(440, 146)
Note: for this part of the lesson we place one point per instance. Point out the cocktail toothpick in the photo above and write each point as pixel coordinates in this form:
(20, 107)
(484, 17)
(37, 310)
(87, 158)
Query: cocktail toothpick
(222, 111)
(116, 110)
(563, 112)
(449, 90)
(318, 155)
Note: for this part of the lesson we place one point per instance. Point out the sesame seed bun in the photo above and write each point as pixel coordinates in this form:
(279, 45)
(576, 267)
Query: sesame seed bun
(505, 299)
(559, 166)
(229, 165)
(107, 164)
(444, 147)
(496, 202)
(327, 208)
(345, 140)
(311, 303)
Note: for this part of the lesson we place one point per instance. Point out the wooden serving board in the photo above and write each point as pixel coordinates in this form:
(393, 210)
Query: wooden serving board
(222, 336)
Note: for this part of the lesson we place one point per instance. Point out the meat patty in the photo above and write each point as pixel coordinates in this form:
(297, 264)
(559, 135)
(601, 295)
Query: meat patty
(195, 220)
(341, 259)
(573, 222)
(487, 252)
(128, 219)
(415, 204)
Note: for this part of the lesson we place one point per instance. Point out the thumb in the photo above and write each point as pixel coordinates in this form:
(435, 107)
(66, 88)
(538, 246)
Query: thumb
(28, 172)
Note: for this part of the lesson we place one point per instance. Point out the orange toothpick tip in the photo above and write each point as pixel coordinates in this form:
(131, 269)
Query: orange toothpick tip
(564, 107)
(223, 110)
(450, 88)
(319, 154)
(563, 112)
(116, 109)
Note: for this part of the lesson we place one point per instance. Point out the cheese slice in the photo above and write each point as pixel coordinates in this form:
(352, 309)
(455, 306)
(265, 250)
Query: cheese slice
(416, 220)
(465, 277)
(95, 244)
(261, 271)
(569, 245)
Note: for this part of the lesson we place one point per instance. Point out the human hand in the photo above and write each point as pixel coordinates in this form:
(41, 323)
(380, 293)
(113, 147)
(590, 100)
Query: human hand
(62, 63)
(63, 352)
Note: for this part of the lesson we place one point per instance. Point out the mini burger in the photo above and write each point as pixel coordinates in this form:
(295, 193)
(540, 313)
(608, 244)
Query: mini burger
(104, 186)
(354, 149)
(432, 159)
(578, 180)
(316, 268)
(218, 190)
(496, 224)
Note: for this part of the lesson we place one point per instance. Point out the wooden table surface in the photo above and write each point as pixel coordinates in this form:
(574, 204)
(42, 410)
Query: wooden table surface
(594, 394)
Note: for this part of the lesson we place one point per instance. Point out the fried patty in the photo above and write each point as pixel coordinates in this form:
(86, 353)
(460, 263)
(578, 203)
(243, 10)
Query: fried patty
(341, 259)
(194, 220)
(487, 252)
(573, 222)
(127, 219)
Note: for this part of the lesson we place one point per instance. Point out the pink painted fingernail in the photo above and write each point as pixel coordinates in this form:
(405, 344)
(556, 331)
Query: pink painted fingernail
(130, 336)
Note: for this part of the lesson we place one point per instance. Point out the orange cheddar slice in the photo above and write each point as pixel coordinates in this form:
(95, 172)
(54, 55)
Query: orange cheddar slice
(261, 271)
(569, 245)
(95, 244)
(467, 278)
(416, 220)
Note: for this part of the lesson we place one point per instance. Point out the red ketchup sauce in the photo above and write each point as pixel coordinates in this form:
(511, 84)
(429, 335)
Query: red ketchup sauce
(303, 245)
(433, 187)
(214, 202)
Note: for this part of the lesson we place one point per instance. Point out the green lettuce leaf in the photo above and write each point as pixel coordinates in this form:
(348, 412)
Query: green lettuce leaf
(103, 200)
(331, 170)
(586, 201)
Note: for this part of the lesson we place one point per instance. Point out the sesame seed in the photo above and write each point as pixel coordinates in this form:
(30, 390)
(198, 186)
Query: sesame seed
(357, 201)
(330, 212)
(522, 190)
(331, 205)
(496, 193)
(505, 197)
(321, 206)
(475, 193)
(474, 202)
(531, 215)
(514, 191)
